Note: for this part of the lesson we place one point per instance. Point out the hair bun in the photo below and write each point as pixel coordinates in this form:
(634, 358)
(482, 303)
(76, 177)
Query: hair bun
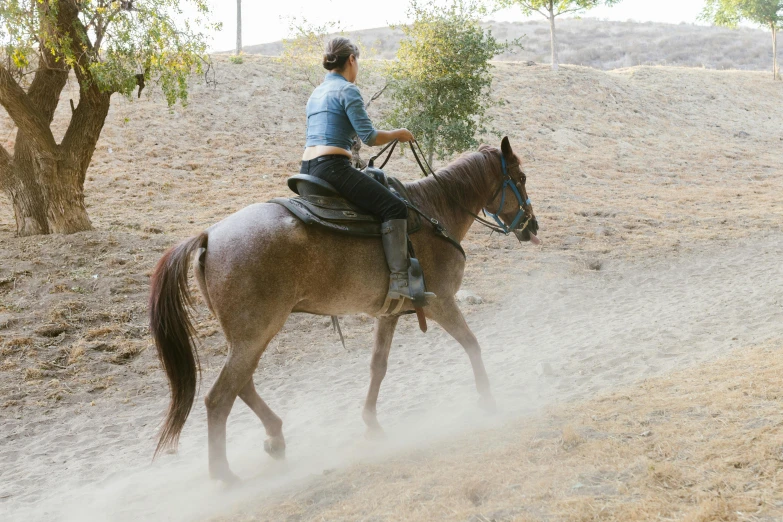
(337, 52)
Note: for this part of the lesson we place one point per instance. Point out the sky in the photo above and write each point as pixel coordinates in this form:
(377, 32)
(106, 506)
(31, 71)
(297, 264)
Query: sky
(267, 20)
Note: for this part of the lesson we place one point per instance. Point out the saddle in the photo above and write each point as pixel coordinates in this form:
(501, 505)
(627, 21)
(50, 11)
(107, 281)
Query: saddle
(318, 203)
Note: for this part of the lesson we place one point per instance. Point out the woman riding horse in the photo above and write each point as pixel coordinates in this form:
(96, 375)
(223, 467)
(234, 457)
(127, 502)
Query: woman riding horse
(335, 115)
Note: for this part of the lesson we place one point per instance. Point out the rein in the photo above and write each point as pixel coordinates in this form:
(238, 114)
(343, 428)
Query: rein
(441, 231)
(371, 161)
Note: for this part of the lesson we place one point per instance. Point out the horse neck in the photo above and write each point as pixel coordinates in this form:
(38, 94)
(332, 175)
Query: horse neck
(465, 184)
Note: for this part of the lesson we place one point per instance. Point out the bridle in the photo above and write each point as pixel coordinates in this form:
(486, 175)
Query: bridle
(506, 182)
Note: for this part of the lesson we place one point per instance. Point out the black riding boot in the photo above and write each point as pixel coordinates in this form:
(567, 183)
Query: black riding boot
(402, 278)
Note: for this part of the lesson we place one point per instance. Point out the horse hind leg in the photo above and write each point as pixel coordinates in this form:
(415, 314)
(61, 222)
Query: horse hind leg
(275, 444)
(238, 369)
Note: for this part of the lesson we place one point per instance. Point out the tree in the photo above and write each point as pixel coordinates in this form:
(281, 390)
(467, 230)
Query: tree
(729, 13)
(111, 47)
(239, 27)
(439, 84)
(551, 9)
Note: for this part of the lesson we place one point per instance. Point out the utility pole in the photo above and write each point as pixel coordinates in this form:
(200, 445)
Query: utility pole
(239, 27)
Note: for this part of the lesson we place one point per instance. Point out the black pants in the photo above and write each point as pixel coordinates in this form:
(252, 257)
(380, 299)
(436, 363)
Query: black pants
(358, 188)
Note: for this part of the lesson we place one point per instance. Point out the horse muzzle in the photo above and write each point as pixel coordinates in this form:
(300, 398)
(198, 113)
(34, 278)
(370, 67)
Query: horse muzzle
(528, 232)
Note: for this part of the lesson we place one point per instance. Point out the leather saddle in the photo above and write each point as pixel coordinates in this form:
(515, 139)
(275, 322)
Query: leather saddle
(318, 203)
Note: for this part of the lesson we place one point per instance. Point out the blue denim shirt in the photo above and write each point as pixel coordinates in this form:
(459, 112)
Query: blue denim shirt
(335, 114)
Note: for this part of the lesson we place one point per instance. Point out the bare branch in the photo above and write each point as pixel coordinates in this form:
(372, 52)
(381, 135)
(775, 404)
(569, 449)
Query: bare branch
(25, 115)
(529, 6)
(376, 96)
(572, 10)
(102, 27)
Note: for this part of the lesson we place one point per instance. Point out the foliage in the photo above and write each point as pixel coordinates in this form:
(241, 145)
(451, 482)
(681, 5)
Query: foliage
(555, 7)
(440, 82)
(730, 13)
(236, 59)
(108, 42)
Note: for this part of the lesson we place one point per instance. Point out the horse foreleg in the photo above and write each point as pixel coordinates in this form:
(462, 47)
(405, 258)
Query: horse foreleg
(383, 334)
(275, 444)
(447, 314)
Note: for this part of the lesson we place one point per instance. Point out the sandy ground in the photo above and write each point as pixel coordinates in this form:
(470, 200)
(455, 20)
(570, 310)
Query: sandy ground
(595, 330)
(703, 444)
(658, 193)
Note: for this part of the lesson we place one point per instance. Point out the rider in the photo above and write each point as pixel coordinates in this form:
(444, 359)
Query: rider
(335, 114)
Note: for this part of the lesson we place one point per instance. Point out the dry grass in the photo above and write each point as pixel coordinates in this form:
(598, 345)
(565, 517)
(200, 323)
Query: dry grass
(704, 444)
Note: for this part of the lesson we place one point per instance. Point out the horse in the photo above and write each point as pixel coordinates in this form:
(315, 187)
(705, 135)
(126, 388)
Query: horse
(260, 264)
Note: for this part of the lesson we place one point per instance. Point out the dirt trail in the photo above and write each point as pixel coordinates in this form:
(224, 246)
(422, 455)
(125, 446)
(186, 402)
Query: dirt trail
(595, 329)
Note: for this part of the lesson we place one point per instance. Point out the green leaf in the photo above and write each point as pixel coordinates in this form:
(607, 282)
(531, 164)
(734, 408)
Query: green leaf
(440, 83)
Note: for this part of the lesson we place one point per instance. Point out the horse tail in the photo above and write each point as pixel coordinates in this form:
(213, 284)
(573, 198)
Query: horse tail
(173, 333)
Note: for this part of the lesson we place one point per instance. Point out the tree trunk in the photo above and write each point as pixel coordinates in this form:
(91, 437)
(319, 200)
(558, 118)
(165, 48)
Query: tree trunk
(775, 67)
(239, 27)
(553, 44)
(28, 203)
(49, 199)
(47, 193)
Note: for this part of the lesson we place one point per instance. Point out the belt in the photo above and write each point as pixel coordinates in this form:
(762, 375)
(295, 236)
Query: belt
(328, 157)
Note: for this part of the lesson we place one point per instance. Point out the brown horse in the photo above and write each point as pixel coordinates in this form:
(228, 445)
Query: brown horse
(260, 264)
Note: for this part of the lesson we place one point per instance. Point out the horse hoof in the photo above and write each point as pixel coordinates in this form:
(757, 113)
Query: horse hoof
(375, 433)
(275, 447)
(226, 476)
(488, 405)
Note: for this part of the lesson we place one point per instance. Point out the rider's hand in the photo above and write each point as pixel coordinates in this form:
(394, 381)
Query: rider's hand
(404, 135)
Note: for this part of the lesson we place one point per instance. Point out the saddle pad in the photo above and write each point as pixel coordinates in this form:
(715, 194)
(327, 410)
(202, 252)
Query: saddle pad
(338, 215)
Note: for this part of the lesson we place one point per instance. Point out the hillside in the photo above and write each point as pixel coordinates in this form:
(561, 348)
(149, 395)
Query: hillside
(658, 193)
(606, 45)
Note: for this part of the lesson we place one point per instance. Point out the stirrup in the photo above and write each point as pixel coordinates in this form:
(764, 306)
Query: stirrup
(393, 305)
(416, 295)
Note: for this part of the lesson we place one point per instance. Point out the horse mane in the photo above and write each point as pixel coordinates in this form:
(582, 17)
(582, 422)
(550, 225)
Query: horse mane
(462, 181)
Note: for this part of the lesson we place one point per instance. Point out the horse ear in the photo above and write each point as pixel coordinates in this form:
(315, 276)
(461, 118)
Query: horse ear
(505, 146)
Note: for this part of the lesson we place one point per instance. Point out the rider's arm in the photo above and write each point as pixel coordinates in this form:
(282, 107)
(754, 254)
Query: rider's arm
(385, 137)
(357, 115)
(354, 108)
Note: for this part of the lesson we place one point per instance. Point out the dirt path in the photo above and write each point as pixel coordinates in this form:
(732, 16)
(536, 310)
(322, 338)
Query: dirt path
(594, 329)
